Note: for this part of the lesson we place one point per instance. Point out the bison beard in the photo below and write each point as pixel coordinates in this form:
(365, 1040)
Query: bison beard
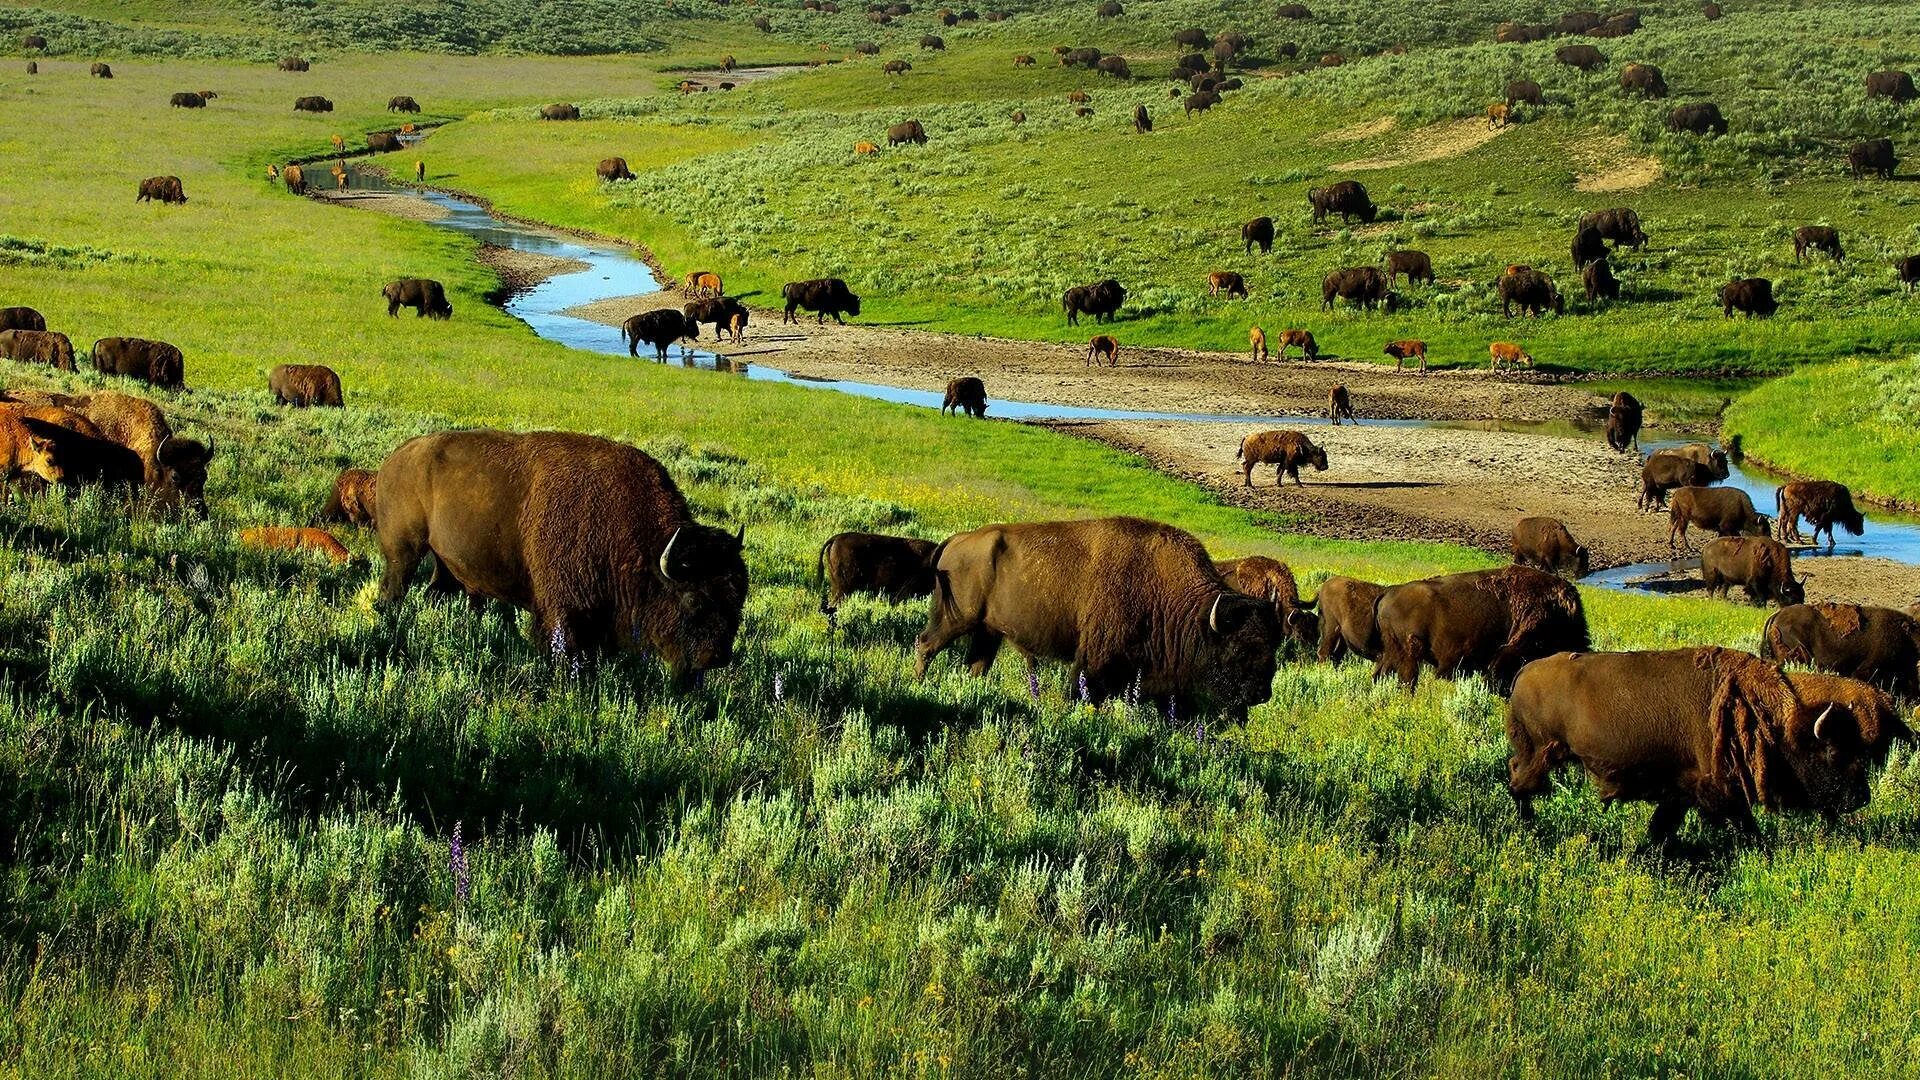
(590, 535)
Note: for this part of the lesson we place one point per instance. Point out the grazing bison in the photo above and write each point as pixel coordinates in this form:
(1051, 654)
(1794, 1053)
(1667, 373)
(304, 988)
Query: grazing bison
(1897, 85)
(1545, 544)
(1588, 246)
(1714, 459)
(289, 538)
(33, 67)
(1415, 264)
(165, 189)
(907, 131)
(863, 148)
(1023, 60)
(1645, 79)
(1366, 286)
(402, 103)
(613, 168)
(1725, 511)
(896, 567)
(1619, 224)
(1623, 422)
(1759, 564)
(1103, 346)
(22, 318)
(1875, 645)
(933, 43)
(1348, 198)
(1817, 238)
(1194, 38)
(1405, 350)
(1524, 92)
(823, 297)
(1750, 296)
(312, 103)
(1340, 406)
(424, 295)
(1078, 97)
(1226, 281)
(187, 99)
(96, 70)
(501, 513)
(1142, 121)
(154, 362)
(660, 328)
(1907, 266)
(1083, 57)
(1286, 451)
(895, 67)
(37, 347)
(1115, 66)
(1101, 300)
(1669, 470)
(1711, 729)
(1200, 102)
(1710, 11)
(560, 111)
(295, 178)
(1577, 22)
(1531, 290)
(1109, 10)
(1584, 57)
(704, 283)
(1823, 503)
(867, 48)
(174, 469)
(303, 385)
(32, 42)
(355, 499)
(719, 311)
(85, 458)
(1698, 119)
(1506, 354)
(1599, 282)
(1272, 580)
(1257, 341)
(1499, 115)
(1346, 619)
(1125, 602)
(1490, 621)
(1872, 156)
(292, 63)
(1300, 339)
(966, 394)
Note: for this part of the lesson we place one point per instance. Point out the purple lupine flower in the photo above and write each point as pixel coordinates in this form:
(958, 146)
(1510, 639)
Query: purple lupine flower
(557, 641)
(1172, 719)
(1085, 694)
(1200, 731)
(1033, 684)
(780, 686)
(457, 864)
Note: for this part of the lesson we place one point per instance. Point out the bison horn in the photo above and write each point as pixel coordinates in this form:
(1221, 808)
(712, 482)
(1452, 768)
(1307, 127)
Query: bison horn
(1213, 614)
(667, 551)
(1819, 722)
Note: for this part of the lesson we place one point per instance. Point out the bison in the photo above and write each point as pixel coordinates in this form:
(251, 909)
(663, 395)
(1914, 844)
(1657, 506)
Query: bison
(384, 142)
(1103, 346)
(187, 99)
(21, 318)
(1286, 451)
(1750, 296)
(1584, 57)
(1101, 300)
(907, 131)
(1405, 350)
(1823, 503)
(1872, 156)
(1489, 621)
(823, 297)
(896, 567)
(425, 296)
(1588, 246)
(289, 538)
(966, 394)
(173, 469)
(97, 70)
(1142, 120)
(1524, 92)
(1415, 264)
(1759, 564)
(1701, 118)
(1624, 416)
(1907, 267)
(1531, 290)
(1226, 281)
(1644, 79)
(303, 385)
(895, 67)
(1347, 619)
(85, 456)
(1126, 603)
(1711, 729)
(154, 362)
(164, 189)
(292, 63)
(1725, 511)
(933, 43)
(1663, 472)
(1272, 580)
(37, 347)
(312, 103)
(1115, 66)
(1300, 339)
(402, 103)
(1545, 544)
(1366, 286)
(295, 178)
(1599, 282)
(1875, 645)
(1824, 238)
(660, 328)
(1897, 85)
(613, 168)
(1348, 198)
(1200, 102)
(1619, 224)
(355, 498)
(560, 111)
(719, 311)
(1257, 342)
(1506, 354)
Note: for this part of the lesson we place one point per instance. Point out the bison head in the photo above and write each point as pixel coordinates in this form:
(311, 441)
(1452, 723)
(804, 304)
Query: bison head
(1836, 731)
(183, 464)
(1318, 457)
(41, 454)
(1235, 661)
(706, 580)
(1582, 560)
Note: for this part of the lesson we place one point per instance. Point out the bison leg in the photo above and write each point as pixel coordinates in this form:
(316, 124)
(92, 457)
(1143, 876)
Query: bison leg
(944, 626)
(982, 647)
(393, 308)
(1667, 818)
(402, 552)
(1528, 768)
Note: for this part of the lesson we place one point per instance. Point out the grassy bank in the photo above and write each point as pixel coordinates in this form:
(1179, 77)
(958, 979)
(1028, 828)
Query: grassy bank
(1847, 422)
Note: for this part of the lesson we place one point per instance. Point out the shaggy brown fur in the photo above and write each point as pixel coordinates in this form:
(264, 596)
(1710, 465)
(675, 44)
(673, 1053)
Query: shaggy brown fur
(355, 498)
(37, 347)
(154, 362)
(896, 567)
(1272, 580)
(1823, 503)
(1759, 564)
(302, 385)
(1346, 618)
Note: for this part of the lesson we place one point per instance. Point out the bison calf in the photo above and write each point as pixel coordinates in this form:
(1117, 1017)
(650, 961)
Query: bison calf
(302, 385)
(896, 567)
(1286, 451)
(284, 538)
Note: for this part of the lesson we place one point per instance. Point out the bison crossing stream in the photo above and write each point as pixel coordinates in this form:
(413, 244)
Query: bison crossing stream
(612, 272)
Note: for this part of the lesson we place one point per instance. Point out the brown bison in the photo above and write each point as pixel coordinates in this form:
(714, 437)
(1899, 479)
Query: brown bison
(1415, 264)
(154, 362)
(86, 457)
(303, 385)
(1701, 118)
(1872, 156)
(187, 99)
(1103, 347)
(1907, 266)
(295, 178)
(1711, 729)
(1286, 451)
(1577, 22)
(1293, 11)
(22, 318)
(1524, 92)
(1258, 231)
(965, 394)
(1272, 580)
(1750, 296)
(1710, 11)
(1142, 120)
(165, 189)
(1663, 472)
(1506, 354)
(402, 103)
(1499, 115)
(1405, 350)
(1300, 339)
(1588, 246)
(1200, 102)
(1584, 57)
(1193, 38)
(1490, 621)
(501, 514)
(1023, 60)
(613, 168)
(425, 296)
(1897, 85)
(1875, 645)
(1109, 10)
(823, 297)
(1823, 238)
(1713, 458)
(1366, 286)
(895, 67)
(1348, 198)
(863, 147)
(1644, 79)
(1532, 291)
(33, 67)
(1115, 66)
(1823, 503)
(704, 283)
(1126, 603)
(27, 452)
(287, 538)
(173, 469)
(32, 42)
(1624, 416)
(896, 567)
(1101, 300)
(1340, 406)
(718, 311)
(292, 63)
(1760, 565)
(1545, 544)
(355, 498)
(1619, 224)
(1724, 511)
(384, 142)
(560, 111)
(933, 43)
(1226, 281)
(660, 328)
(312, 103)
(1346, 619)
(97, 70)
(1599, 282)
(37, 347)
(1257, 341)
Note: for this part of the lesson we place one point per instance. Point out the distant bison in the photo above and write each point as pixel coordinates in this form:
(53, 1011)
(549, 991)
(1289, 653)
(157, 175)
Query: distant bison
(1505, 354)
(1293, 11)
(97, 70)
(1415, 264)
(1599, 282)
(154, 362)
(1346, 619)
(1200, 102)
(1366, 286)
(560, 111)
(1272, 581)
(1125, 603)
(1724, 511)
(165, 189)
(1103, 347)
(384, 142)
(1872, 156)
(895, 67)
(1023, 60)
(720, 311)
(1584, 57)
(660, 328)
(355, 498)
(1228, 282)
(908, 131)
(933, 42)
(1115, 66)
(1530, 290)
(1487, 621)
(1348, 198)
(303, 385)
(186, 99)
(33, 42)
(1101, 300)
(1286, 451)
(1405, 350)
(1750, 296)
(613, 168)
(1524, 92)
(1545, 544)
(292, 63)
(896, 567)
(48, 347)
(1823, 238)
(1759, 564)
(1875, 645)
(822, 296)
(1142, 120)
(1823, 503)
(501, 514)
(402, 103)
(21, 318)
(1109, 10)
(1908, 268)
(1340, 406)
(1897, 85)
(312, 103)
(1577, 22)
(1643, 79)
(1710, 11)
(424, 295)
(1702, 118)
(1619, 224)
(966, 394)
(1624, 416)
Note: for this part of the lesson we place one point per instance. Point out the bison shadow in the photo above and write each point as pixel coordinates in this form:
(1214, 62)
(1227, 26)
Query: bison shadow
(1366, 485)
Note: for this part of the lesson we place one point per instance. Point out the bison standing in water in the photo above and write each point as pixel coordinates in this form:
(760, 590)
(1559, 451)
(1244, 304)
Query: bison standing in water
(1101, 300)
(1286, 451)
(501, 514)
(1545, 544)
(1348, 198)
(1750, 296)
(303, 385)
(1125, 602)
(659, 328)
(1710, 729)
(154, 362)
(1667, 471)
(1258, 231)
(1760, 565)
(1623, 422)
(1491, 621)
(896, 567)
(425, 296)
(965, 394)
(1823, 503)
(823, 297)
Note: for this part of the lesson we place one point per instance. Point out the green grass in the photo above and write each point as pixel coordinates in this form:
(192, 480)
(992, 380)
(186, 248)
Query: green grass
(1847, 422)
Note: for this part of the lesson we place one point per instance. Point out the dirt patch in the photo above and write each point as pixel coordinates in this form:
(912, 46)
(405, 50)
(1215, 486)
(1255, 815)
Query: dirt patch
(1366, 129)
(711, 80)
(1611, 165)
(522, 270)
(387, 202)
(1434, 142)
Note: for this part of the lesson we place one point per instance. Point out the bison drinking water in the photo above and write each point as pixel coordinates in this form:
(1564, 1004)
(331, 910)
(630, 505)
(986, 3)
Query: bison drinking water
(425, 296)
(823, 297)
(304, 385)
(502, 515)
(1491, 621)
(1286, 451)
(1545, 544)
(896, 567)
(1100, 300)
(1823, 503)
(966, 394)
(1125, 602)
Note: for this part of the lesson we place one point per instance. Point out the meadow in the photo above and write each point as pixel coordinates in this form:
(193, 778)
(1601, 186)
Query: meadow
(253, 827)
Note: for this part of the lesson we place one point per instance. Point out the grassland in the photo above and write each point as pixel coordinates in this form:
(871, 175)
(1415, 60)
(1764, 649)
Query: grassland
(231, 790)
